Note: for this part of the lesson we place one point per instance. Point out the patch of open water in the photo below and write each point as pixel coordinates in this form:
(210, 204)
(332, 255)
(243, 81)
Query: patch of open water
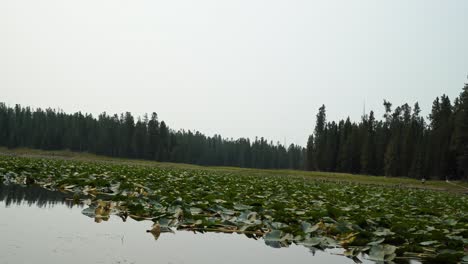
(39, 226)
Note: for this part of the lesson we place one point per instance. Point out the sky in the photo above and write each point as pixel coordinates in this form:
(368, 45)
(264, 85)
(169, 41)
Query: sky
(241, 68)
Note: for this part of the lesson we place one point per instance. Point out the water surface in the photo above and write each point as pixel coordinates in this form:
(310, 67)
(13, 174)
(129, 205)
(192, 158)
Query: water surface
(40, 226)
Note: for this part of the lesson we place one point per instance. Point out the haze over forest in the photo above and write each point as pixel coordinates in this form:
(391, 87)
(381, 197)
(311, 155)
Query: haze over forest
(239, 69)
(403, 144)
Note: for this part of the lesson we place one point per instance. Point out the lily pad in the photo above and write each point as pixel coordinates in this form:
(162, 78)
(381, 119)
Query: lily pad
(382, 253)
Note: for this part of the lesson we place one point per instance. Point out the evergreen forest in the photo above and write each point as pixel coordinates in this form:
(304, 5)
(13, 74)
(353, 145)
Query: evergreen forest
(402, 143)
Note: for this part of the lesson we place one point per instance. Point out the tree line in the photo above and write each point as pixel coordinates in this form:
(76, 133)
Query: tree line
(403, 143)
(142, 138)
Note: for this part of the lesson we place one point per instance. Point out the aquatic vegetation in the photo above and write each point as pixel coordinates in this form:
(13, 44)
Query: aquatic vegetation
(384, 223)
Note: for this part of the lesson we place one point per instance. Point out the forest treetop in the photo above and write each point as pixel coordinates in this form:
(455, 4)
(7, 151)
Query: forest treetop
(402, 144)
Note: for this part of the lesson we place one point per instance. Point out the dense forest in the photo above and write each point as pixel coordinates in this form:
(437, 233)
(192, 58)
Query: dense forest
(402, 144)
(143, 138)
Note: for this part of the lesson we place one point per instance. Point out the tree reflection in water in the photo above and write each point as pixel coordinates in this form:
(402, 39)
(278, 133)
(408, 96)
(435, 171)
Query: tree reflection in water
(33, 195)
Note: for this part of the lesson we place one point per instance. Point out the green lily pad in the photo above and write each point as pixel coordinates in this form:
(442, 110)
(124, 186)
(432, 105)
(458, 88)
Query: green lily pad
(195, 211)
(377, 242)
(382, 253)
(383, 232)
(274, 235)
(429, 243)
(242, 207)
(308, 228)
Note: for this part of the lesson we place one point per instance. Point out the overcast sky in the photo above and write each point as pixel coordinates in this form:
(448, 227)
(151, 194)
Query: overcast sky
(236, 68)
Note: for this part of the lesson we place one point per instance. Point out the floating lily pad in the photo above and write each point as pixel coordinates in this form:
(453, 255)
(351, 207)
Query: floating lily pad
(318, 214)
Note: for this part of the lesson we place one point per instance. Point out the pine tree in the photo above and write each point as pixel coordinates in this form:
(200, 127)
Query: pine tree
(440, 138)
(344, 152)
(320, 138)
(310, 154)
(164, 139)
(368, 148)
(153, 137)
(461, 137)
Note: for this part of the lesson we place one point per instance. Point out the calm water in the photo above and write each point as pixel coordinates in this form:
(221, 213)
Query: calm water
(37, 226)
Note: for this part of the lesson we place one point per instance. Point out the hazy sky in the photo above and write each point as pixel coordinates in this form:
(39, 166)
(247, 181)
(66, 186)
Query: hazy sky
(237, 68)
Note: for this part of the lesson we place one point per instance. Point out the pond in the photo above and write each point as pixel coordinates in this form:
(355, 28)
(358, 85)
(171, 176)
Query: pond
(41, 226)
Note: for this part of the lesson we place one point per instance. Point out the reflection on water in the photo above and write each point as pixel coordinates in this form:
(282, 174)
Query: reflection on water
(41, 226)
(32, 195)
